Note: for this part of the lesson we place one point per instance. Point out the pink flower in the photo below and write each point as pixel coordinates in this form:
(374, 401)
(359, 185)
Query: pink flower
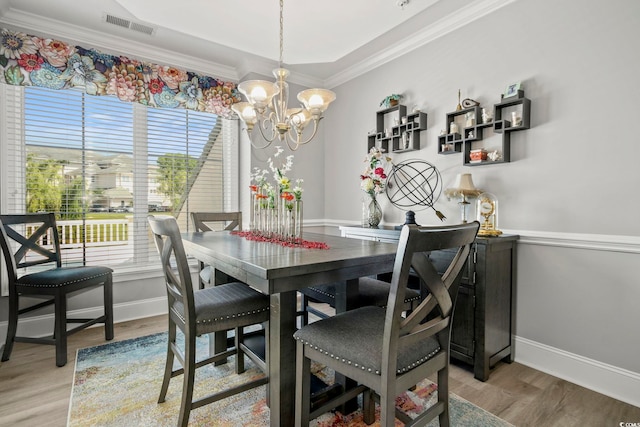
(172, 77)
(54, 51)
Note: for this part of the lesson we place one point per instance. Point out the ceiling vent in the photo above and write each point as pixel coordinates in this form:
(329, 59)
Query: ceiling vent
(131, 25)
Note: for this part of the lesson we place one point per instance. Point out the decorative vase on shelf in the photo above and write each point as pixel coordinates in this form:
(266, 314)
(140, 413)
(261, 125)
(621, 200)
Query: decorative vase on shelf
(373, 211)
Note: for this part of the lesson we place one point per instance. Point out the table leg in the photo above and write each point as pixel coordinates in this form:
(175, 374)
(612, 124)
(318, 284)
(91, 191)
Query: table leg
(282, 359)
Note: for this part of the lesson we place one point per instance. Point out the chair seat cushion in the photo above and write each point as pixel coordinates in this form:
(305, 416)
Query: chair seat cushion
(227, 306)
(65, 276)
(370, 292)
(356, 338)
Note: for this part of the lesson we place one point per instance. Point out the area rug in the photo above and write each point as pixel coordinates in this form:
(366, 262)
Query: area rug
(117, 384)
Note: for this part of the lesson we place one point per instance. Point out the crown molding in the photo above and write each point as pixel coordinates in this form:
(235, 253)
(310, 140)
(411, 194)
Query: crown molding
(39, 25)
(46, 27)
(451, 22)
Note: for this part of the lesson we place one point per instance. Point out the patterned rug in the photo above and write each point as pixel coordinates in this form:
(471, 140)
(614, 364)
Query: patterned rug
(117, 384)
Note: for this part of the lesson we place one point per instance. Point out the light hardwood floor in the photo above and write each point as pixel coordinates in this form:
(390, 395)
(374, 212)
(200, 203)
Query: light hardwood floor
(34, 392)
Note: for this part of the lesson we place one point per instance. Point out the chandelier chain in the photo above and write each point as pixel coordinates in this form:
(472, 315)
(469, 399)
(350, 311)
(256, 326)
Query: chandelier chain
(281, 32)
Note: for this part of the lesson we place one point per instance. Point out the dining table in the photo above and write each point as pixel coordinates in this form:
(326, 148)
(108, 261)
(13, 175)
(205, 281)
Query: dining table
(280, 271)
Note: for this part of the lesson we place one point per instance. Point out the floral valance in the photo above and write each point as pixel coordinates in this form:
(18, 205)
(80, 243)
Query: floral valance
(33, 61)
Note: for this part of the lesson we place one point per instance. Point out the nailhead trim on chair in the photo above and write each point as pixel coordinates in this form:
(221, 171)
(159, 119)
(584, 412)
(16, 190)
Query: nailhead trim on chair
(63, 283)
(320, 291)
(232, 316)
(377, 372)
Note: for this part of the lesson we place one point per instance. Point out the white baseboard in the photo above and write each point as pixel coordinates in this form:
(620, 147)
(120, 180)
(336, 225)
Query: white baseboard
(39, 326)
(609, 380)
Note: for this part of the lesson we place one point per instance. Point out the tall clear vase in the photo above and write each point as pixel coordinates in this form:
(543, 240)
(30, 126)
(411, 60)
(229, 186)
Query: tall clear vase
(374, 212)
(297, 212)
(255, 212)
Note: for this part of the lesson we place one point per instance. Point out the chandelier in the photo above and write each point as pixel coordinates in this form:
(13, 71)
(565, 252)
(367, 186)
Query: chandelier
(267, 107)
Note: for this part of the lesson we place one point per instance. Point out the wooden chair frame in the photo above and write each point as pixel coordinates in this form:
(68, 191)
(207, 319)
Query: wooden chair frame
(180, 292)
(424, 322)
(232, 220)
(55, 292)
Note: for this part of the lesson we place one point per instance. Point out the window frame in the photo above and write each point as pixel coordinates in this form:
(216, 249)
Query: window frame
(13, 152)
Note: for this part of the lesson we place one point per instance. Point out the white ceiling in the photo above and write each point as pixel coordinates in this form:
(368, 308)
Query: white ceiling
(314, 30)
(326, 42)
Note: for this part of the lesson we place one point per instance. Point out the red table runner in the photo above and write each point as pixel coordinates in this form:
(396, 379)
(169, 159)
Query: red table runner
(295, 243)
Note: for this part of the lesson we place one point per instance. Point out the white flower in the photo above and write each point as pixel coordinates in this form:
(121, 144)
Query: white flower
(367, 185)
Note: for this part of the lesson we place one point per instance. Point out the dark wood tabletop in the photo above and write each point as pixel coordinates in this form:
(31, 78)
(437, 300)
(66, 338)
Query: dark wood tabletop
(279, 272)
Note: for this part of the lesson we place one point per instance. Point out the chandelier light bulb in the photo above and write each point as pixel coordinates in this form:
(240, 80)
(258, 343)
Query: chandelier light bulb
(315, 101)
(259, 94)
(249, 113)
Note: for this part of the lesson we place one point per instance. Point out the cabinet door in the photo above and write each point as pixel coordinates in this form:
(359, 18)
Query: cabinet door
(462, 338)
(463, 327)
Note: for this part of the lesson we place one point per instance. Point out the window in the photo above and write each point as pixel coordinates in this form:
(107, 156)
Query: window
(102, 165)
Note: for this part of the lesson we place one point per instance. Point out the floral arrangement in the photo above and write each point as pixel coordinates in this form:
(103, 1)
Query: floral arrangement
(276, 203)
(373, 179)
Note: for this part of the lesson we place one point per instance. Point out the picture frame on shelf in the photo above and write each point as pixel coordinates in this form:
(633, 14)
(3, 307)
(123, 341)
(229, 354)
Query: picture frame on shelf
(511, 90)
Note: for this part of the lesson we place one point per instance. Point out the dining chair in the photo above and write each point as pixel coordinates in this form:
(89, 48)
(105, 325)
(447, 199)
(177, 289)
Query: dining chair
(203, 311)
(214, 221)
(31, 241)
(370, 292)
(381, 349)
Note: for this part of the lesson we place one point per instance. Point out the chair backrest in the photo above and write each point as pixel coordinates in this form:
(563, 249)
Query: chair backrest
(230, 220)
(35, 235)
(168, 241)
(413, 256)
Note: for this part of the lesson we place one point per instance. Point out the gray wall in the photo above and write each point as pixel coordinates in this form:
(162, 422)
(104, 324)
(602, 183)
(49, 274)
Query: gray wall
(578, 63)
(573, 176)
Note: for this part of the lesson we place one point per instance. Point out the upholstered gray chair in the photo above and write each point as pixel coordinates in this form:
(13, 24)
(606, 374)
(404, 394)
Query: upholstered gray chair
(37, 246)
(385, 352)
(214, 221)
(370, 292)
(195, 312)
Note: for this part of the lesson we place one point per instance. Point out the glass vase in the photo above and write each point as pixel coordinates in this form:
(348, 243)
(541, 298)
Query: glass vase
(297, 210)
(374, 212)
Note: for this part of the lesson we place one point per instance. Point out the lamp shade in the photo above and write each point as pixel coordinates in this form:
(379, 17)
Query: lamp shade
(246, 112)
(464, 183)
(259, 92)
(462, 187)
(299, 118)
(316, 100)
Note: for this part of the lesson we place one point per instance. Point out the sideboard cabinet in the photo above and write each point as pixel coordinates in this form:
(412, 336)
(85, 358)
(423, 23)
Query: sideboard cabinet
(483, 329)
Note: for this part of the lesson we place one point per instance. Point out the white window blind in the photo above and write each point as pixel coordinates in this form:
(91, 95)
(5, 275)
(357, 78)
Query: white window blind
(103, 165)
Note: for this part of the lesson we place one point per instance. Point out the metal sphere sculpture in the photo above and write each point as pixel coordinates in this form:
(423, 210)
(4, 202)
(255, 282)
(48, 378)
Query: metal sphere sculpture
(415, 184)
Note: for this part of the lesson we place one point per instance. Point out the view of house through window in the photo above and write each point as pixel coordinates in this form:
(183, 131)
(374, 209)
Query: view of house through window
(103, 165)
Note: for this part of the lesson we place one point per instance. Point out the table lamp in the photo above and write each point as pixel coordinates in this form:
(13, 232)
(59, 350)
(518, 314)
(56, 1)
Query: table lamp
(463, 188)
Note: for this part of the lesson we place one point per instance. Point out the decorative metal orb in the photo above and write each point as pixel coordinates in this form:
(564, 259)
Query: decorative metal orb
(414, 184)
